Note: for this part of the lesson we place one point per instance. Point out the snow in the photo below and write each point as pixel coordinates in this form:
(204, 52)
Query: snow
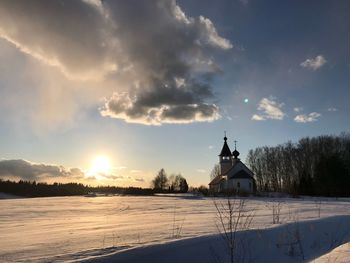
(269, 245)
(9, 196)
(340, 254)
(82, 228)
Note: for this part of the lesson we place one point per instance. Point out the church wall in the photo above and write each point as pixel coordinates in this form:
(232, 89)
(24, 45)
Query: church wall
(225, 166)
(245, 184)
(214, 188)
(239, 166)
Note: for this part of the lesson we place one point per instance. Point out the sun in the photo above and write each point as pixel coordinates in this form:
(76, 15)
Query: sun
(100, 166)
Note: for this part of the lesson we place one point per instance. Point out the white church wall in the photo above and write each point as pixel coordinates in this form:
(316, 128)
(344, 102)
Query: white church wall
(243, 184)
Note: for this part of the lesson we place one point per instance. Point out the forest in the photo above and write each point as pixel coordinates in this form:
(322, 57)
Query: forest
(34, 189)
(317, 166)
(162, 183)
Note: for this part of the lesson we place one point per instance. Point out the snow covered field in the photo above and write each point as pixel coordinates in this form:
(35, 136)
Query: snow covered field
(81, 228)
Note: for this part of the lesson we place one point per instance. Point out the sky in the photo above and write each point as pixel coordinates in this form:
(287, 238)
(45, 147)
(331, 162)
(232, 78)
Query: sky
(109, 92)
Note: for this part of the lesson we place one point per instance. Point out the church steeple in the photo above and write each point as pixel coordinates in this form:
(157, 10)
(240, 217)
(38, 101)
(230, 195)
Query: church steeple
(225, 157)
(235, 153)
(225, 152)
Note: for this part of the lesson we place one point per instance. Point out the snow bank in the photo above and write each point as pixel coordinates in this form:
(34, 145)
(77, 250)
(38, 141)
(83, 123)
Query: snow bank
(294, 242)
(340, 254)
(9, 196)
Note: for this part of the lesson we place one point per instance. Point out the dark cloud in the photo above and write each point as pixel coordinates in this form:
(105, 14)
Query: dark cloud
(157, 58)
(168, 104)
(120, 177)
(139, 179)
(111, 176)
(21, 169)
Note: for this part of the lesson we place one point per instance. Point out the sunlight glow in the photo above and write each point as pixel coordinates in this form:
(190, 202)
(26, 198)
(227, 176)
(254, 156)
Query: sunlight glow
(100, 166)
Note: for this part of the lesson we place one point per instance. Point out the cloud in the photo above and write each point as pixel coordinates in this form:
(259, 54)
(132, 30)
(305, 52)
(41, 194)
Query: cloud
(332, 109)
(119, 168)
(30, 171)
(298, 109)
(157, 60)
(76, 38)
(111, 176)
(210, 147)
(25, 170)
(244, 2)
(114, 177)
(152, 109)
(257, 117)
(139, 180)
(269, 108)
(311, 117)
(314, 63)
(201, 171)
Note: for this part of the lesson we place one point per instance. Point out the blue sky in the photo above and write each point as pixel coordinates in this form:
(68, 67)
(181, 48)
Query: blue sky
(72, 94)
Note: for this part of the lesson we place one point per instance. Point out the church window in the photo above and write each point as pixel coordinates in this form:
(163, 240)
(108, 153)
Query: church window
(238, 184)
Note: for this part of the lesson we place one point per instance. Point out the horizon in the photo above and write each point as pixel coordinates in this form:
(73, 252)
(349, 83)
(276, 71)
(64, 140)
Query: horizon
(108, 93)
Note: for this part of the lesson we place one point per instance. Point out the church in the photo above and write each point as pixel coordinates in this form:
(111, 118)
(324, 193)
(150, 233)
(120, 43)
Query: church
(234, 176)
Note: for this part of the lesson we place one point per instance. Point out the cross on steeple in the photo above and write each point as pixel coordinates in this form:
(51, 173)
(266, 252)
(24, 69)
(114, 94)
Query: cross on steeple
(235, 152)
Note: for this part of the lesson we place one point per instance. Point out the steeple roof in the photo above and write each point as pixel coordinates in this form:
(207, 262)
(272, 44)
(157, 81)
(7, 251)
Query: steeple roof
(235, 153)
(225, 149)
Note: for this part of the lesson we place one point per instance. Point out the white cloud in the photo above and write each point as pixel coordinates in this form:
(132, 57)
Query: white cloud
(314, 63)
(332, 109)
(120, 168)
(210, 147)
(257, 117)
(311, 117)
(201, 171)
(120, 177)
(269, 108)
(298, 109)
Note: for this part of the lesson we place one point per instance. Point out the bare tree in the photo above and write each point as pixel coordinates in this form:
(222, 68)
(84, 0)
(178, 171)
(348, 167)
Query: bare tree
(275, 207)
(291, 241)
(303, 167)
(232, 216)
(215, 171)
(318, 204)
(178, 183)
(160, 182)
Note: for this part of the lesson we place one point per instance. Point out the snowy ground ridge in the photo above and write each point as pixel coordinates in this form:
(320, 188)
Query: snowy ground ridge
(293, 242)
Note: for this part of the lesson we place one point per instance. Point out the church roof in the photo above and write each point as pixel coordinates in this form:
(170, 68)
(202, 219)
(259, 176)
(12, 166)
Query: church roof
(225, 149)
(242, 174)
(237, 174)
(216, 180)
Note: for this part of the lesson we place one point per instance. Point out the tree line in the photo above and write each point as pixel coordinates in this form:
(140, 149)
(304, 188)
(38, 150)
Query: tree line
(312, 166)
(34, 189)
(174, 183)
(162, 183)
